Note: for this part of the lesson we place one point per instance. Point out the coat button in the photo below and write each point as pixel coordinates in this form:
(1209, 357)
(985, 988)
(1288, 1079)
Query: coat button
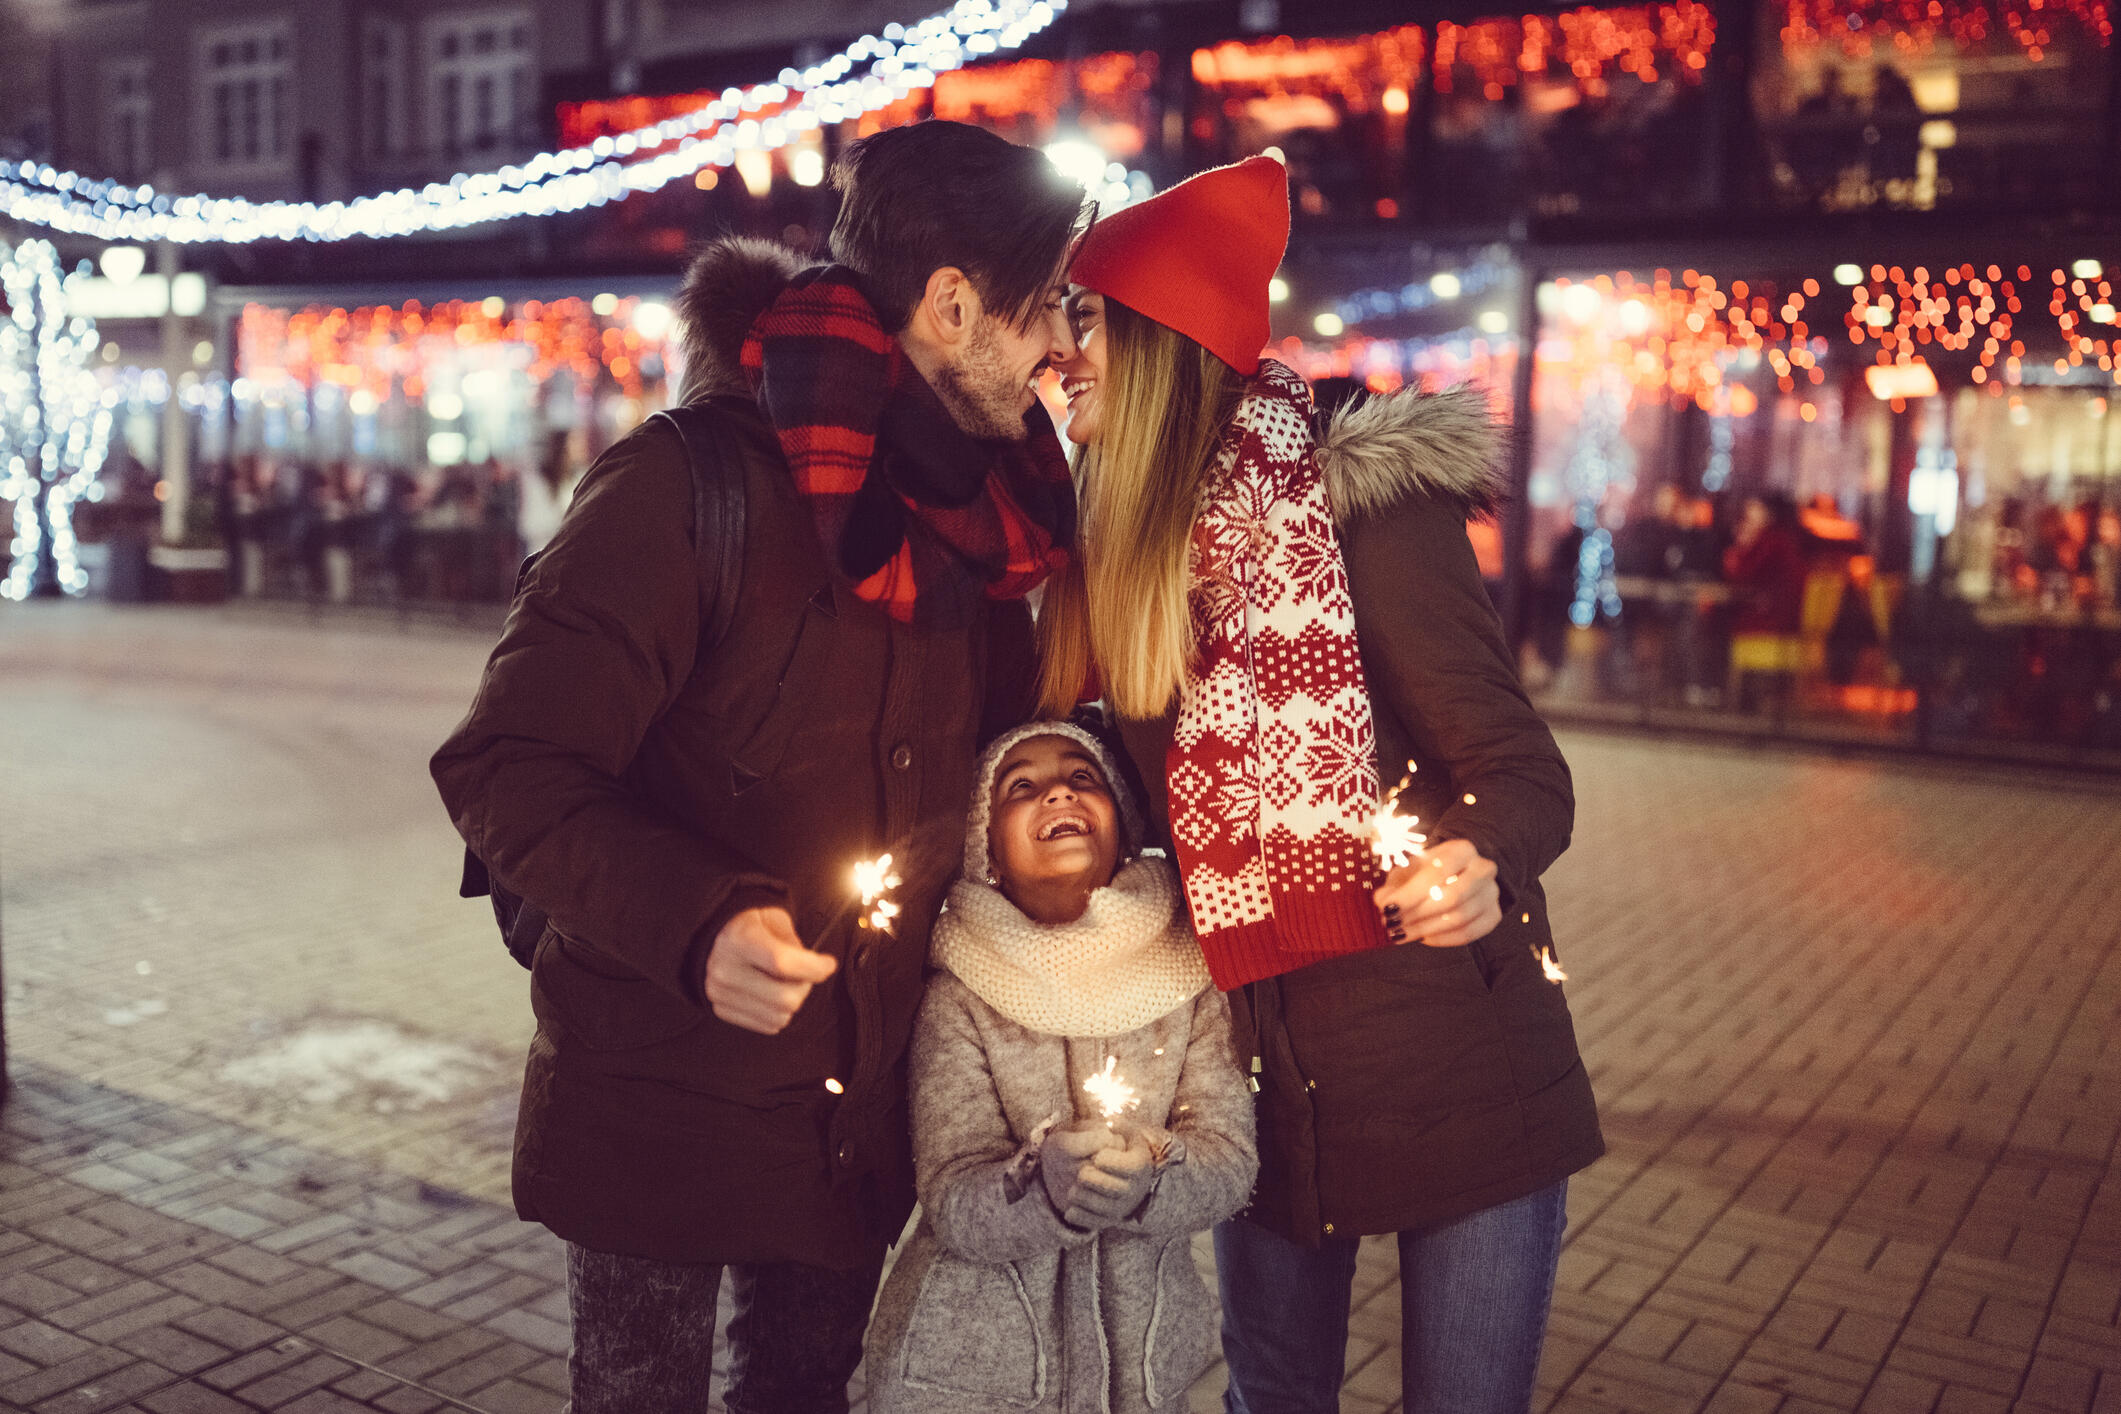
(1310, 1085)
(901, 757)
(846, 1156)
(1329, 1229)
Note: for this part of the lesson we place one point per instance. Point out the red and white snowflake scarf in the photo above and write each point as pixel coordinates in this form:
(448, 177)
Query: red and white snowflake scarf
(1273, 765)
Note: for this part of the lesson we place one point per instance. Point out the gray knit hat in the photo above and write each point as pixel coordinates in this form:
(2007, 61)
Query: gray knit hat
(978, 862)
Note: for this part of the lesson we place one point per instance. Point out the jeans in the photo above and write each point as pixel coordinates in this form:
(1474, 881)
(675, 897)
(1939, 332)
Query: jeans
(644, 1335)
(1474, 1295)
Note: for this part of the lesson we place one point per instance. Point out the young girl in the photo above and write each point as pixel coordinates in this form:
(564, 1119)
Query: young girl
(1053, 1266)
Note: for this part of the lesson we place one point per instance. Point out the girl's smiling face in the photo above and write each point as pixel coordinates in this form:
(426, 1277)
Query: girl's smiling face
(1053, 830)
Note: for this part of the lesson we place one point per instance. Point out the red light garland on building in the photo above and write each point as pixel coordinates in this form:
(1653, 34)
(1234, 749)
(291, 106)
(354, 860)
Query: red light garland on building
(1916, 25)
(1357, 72)
(1683, 340)
(1587, 45)
(1904, 310)
(374, 346)
(1104, 91)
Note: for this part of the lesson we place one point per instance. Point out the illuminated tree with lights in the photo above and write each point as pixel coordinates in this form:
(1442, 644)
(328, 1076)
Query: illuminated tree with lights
(55, 422)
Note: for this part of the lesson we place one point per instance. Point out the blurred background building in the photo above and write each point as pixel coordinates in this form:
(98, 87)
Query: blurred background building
(1803, 309)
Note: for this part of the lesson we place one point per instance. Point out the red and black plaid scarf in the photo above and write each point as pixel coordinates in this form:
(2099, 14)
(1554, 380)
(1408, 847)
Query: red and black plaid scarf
(922, 517)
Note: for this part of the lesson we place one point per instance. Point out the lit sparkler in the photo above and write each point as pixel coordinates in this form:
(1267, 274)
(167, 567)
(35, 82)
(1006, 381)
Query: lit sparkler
(1393, 837)
(1113, 1094)
(874, 879)
(1550, 967)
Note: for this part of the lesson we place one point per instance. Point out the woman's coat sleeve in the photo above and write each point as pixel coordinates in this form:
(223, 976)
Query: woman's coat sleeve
(1436, 657)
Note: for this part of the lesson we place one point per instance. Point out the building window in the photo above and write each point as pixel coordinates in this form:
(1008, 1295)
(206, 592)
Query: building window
(128, 111)
(246, 75)
(383, 77)
(479, 79)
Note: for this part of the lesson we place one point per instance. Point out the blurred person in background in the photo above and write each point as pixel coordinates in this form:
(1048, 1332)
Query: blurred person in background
(1765, 568)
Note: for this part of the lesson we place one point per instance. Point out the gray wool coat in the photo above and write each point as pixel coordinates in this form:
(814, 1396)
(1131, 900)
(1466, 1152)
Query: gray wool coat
(996, 1304)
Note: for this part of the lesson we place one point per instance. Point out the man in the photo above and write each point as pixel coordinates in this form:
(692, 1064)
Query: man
(717, 1078)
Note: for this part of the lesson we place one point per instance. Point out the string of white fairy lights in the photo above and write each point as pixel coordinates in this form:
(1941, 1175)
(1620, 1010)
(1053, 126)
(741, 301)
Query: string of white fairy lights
(899, 61)
(55, 419)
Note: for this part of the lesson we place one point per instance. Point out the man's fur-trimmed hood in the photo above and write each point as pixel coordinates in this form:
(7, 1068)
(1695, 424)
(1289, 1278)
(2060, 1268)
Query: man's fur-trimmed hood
(728, 286)
(1380, 449)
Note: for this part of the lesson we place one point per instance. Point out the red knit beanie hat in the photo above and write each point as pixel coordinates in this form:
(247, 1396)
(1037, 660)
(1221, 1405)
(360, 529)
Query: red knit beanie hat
(1197, 258)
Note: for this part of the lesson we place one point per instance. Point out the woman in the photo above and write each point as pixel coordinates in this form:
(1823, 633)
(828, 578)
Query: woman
(1268, 618)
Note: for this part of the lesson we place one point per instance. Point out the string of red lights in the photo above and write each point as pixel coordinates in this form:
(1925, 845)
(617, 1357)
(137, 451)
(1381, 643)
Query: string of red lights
(1914, 26)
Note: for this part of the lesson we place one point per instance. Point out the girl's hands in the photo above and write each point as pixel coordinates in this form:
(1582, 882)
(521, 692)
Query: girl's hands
(1062, 1157)
(1446, 898)
(1112, 1182)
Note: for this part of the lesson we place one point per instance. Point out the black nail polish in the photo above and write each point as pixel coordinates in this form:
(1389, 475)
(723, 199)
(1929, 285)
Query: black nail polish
(1392, 910)
(1396, 935)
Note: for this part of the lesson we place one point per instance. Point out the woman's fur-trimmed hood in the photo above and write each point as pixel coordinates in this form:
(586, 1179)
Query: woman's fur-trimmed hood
(1382, 448)
(727, 287)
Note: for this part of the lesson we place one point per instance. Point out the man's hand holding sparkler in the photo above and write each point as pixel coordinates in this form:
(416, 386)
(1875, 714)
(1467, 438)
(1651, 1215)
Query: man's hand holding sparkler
(759, 973)
(1446, 896)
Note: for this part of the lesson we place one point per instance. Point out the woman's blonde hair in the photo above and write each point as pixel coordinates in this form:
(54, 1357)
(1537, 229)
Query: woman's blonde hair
(1121, 604)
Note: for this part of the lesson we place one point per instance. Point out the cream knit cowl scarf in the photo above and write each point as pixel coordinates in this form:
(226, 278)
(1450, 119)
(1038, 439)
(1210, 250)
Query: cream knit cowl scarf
(1128, 960)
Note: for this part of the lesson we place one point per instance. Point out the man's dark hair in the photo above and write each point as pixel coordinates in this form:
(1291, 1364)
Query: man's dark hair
(918, 198)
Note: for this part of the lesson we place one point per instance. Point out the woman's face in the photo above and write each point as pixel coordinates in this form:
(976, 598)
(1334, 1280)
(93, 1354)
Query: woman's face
(1083, 371)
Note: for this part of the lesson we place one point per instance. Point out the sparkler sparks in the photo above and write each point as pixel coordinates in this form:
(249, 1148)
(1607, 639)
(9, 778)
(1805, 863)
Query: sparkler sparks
(874, 879)
(1113, 1094)
(1393, 837)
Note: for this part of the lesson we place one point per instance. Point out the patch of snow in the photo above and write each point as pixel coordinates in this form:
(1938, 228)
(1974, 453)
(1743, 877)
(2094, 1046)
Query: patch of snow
(387, 1067)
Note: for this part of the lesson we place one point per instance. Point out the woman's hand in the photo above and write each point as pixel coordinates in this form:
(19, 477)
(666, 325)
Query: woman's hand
(1446, 898)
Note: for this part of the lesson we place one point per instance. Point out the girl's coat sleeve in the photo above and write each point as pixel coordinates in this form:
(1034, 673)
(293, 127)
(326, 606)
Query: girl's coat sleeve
(963, 1149)
(1211, 1118)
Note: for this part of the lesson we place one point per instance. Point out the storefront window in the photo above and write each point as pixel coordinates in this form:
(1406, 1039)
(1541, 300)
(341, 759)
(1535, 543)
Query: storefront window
(1102, 98)
(415, 452)
(1745, 509)
(1870, 103)
(1339, 108)
(1588, 109)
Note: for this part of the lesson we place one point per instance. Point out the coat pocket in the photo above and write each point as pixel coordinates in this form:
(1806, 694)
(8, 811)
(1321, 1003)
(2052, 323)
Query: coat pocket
(973, 1332)
(1180, 1343)
(602, 1004)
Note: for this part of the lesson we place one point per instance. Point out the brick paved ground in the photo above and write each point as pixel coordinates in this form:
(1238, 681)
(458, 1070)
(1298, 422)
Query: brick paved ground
(1852, 1026)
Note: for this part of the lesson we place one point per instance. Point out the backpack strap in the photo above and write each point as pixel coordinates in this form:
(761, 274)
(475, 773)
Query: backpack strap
(717, 505)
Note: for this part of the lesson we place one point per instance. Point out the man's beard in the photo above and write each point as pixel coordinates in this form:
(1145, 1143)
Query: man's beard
(978, 390)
